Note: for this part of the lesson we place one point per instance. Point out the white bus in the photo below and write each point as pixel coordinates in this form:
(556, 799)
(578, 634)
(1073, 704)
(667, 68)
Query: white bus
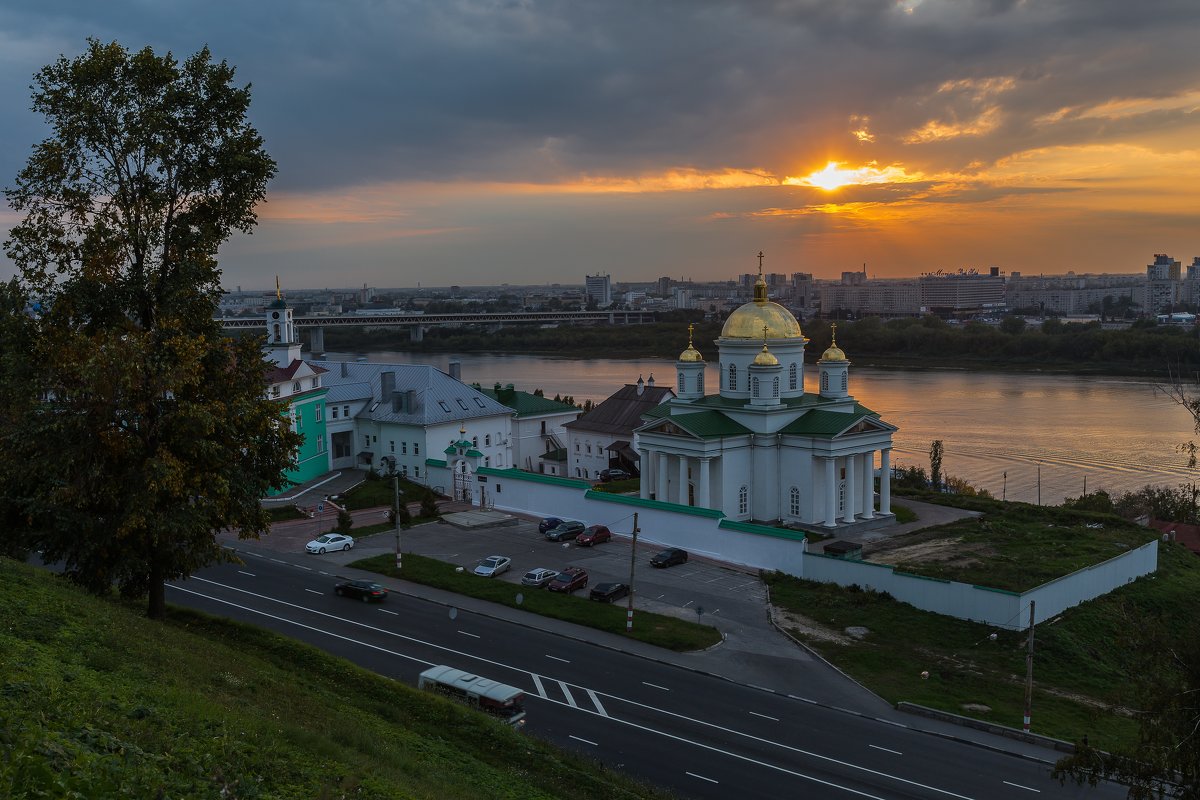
(497, 699)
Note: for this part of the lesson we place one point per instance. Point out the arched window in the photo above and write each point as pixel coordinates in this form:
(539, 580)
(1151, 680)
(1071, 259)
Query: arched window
(487, 440)
(743, 500)
(793, 372)
(824, 381)
(700, 382)
(277, 332)
(681, 387)
(754, 386)
(733, 376)
(844, 381)
(295, 387)
(775, 386)
(474, 441)
(794, 505)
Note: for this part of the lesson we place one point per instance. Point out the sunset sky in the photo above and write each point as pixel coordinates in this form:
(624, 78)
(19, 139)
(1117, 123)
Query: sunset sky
(536, 141)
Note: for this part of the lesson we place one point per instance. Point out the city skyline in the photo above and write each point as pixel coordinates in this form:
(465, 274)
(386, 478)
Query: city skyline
(479, 143)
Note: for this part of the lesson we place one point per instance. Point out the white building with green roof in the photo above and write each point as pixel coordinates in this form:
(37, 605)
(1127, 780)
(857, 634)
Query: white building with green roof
(538, 437)
(762, 449)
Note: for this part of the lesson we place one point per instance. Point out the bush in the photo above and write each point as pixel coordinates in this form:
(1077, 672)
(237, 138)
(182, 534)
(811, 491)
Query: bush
(344, 520)
(429, 505)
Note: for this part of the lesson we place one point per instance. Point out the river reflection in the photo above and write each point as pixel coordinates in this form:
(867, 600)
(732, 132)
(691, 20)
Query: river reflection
(997, 428)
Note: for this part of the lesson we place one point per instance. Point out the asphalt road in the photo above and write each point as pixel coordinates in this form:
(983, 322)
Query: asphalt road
(699, 735)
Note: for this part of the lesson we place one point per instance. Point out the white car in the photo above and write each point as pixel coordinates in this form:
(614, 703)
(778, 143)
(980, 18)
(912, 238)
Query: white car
(330, 541)
(492, 566)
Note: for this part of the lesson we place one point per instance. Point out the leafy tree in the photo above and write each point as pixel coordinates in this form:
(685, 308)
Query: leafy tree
(153, 432)
(345, 520)
(429, 507)
(402, 515)
(935, 464)
(1013, 325)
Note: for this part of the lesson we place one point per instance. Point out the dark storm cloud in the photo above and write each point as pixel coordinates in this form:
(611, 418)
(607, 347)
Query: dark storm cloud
(355, 92)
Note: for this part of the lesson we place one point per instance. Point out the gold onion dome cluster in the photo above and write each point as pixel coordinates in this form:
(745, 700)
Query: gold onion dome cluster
(748, 320)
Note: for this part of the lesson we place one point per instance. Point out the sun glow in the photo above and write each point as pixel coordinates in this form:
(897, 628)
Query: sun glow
(835, 176)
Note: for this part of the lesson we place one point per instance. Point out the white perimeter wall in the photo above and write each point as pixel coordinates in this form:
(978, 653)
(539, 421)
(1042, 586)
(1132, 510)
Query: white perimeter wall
(700, 532)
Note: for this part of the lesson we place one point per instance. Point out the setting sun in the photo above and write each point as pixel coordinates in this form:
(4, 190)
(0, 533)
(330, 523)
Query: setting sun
(835, 176)
(830, 178)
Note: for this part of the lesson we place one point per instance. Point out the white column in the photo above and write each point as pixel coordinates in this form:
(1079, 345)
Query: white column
(660, 487)
(851, 497)
(683, 481)
(868, 485)
(647, 473)
(702, 496)
(885, 480)
(830, 493)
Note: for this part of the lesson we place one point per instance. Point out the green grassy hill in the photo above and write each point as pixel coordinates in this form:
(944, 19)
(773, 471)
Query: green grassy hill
(98, 702)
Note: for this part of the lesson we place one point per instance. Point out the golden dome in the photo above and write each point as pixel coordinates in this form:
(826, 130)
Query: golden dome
(834, 353)
(748, 321)
(765, 359)
(691, 355)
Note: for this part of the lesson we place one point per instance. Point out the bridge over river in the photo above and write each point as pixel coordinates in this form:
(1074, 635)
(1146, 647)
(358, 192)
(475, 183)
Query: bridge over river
(418, 323)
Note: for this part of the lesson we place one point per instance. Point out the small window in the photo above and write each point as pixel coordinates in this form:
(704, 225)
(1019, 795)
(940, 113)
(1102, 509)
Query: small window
(315, 382)
(577, 448)
(681, 387)
(346, 411)
(733, 376)
(487, 462)
(497, 488)
(404, 448)
(275, 390)
(479, 403)
(391, 447)
(743, 500)
(824, 381)
(320, 444)
(775, 386)
(844, 381)
(700, 382)
(366, 441)
(754, 386)
(792, 377)
(589, 449)
(417, 471)
(795, 501)
(474, 441)
(487, 440)
(417, 452)
(333, 412)
(318, 412)
(444, 405)
(296, 387)
(461, 404)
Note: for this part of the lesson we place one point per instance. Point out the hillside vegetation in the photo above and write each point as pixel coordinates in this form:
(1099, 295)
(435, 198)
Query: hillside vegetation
(98, 702)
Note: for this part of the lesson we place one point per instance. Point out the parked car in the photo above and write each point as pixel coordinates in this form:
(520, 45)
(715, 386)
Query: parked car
(538, 577)
(567, 530)
(492, 566)
(593, 534)
(548, 523)
(608, 592)
(614, 474)
(669, 558)
(569, 580)
(330, 541)
(363, 590)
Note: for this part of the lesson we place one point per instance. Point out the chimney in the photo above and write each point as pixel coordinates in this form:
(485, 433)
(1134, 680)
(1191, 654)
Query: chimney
(410, 401)
(387, 384)
(650, 382)
(641, 386)
(456, 369)
(345, 370)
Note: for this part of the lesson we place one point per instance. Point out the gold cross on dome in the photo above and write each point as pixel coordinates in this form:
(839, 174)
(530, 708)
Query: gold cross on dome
(760, 258)
(691, 327)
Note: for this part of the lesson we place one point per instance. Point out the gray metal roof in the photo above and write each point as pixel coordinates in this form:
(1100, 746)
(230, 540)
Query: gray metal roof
(419, 394)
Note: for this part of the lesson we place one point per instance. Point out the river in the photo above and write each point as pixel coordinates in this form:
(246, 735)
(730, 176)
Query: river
(1014, 434)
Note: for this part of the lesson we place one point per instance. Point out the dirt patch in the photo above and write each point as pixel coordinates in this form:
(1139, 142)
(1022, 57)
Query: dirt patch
(948, 551)
(806, 628)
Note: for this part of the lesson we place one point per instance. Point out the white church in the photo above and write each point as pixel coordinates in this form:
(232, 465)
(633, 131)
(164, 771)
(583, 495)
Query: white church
(762, 449)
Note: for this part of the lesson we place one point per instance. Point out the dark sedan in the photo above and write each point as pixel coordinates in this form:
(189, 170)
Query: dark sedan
(669, 558)
(567, 530)
(614, 474)
(569, 580)
(608, 592)
(548, 523)
(363, 590)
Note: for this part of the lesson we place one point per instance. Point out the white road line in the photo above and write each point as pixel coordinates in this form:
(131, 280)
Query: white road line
(567, 694)
(585, 741)
(889, 722)
(393, 613)
(701, 777)
(323, 572)
(301, 566)
(886, 750)
(249, 553)
(688, 603)
(717, 611)
(314, 591)
(556, 658)
(472, 635)
(542, 694)
(1026, 788)
(653, 686)
(541, 690)
(277, 561)
(660, 597)
(764, 716)
(243, 572)
(801, 699)
(596, 700)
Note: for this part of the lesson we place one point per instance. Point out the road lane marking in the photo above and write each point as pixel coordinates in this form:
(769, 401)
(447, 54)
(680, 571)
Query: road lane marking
(653, 686)
(701, 777)
(472, 635)
(301, 566)
(688, 603)
(764, 716)
(542, 695)
(567, 694)
(1026, 788)
(541, 690)
(314, 591)
(243, 572)
(277, 561)
(585, 741)
(596, 700)
(556, 658)
(884, 749)
(393, 613)
(323, 572)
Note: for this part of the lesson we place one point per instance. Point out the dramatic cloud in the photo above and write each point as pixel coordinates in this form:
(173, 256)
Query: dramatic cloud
(480, 141)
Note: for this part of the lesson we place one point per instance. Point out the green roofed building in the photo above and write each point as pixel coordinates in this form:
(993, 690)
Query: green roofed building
(538, 435)
(761, 449)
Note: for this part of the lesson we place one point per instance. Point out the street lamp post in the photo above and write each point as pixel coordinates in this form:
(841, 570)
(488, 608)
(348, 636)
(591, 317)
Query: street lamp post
(632, 564)
(396, 517)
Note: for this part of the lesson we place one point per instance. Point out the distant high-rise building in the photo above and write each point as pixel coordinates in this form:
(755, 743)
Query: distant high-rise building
(664, 286)
(599, 289)
(1164, 287)
(965, 290)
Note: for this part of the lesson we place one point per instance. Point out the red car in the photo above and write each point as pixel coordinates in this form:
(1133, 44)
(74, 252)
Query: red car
(593, 534)
(569, 580)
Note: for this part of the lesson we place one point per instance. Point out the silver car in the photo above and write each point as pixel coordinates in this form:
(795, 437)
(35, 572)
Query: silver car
(492, 566)
(330, 541)
(538, 577)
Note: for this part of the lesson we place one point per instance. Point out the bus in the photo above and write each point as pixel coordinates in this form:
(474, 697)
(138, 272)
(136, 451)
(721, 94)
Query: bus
(492, 697)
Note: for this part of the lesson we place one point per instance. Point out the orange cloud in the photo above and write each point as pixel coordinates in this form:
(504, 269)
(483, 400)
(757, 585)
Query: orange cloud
(835, 176)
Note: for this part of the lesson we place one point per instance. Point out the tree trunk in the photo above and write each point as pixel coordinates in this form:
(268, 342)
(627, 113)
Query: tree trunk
(157, 608)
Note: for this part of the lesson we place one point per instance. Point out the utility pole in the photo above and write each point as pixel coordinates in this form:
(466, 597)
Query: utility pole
(1029, 670)
(1004, 491)
(632, 564)
(1039, 484)
(396, 516)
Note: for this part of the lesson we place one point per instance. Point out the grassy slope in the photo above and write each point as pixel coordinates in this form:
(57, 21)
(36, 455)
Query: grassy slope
(1085, 652)
(98, 702)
